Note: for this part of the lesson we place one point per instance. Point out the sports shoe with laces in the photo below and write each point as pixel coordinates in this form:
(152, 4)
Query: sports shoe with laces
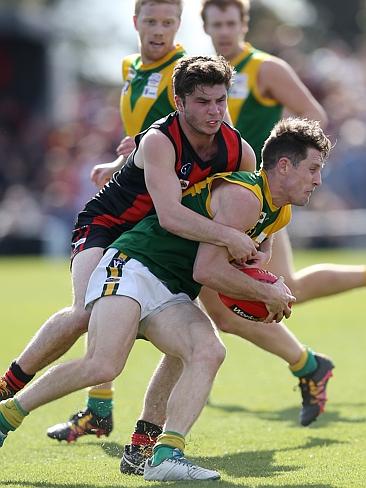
(134, 458)
(177, 468)
(313, 390)
(82, 423)
(5, 390)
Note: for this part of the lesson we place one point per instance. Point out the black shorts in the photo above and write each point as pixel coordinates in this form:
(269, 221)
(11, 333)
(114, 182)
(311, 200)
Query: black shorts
(92, 235)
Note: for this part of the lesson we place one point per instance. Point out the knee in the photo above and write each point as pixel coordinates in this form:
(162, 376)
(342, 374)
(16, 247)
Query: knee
(101, 372)
(224, 321)
(220, 320)
(80, 319)
(218, 352)
(210, 356)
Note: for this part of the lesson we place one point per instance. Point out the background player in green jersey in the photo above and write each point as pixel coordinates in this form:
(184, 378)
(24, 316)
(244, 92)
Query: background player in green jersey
(147, 91)
(293, 160)
(263, 86)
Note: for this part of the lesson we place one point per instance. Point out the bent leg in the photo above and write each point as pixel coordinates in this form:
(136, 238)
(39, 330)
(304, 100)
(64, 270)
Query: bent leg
(318, 280)
(159, 389)
(275, 338)
(184, 331)
(60, 331)
(110, 342)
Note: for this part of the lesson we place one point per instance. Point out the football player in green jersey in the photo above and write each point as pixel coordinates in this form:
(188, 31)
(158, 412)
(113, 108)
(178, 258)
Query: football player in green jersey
(263, 86)
(147, 91)
(133, 281)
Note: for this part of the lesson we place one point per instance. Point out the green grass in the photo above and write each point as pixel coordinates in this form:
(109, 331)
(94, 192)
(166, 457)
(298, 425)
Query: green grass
(250, 433)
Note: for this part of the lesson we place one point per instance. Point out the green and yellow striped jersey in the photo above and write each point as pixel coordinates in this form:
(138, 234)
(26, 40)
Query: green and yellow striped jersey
(147, 92)
(170, 257)
(253, 115)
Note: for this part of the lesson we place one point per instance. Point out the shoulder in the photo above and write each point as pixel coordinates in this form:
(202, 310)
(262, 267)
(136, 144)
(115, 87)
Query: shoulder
(273, 65)
(129, 60)
(237, 203)
(238, 189)
(154, 140)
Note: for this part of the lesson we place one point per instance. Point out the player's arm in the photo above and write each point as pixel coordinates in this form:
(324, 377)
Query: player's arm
(102, 173)
(240, 208)
(279, 81)
(248, 160)
(156, 154)
(263, 256)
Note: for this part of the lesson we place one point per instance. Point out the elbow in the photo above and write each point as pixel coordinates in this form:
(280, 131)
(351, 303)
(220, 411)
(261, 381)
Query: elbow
(167, 222)
(201, 275)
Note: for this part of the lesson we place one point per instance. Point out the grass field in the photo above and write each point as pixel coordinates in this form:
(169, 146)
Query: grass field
(250, 433)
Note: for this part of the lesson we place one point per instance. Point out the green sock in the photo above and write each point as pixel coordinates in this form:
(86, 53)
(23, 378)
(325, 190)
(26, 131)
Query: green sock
(306, 365)
(102, 408)
(166, 443)
(11, 415)
(161, 452)
(100, 401)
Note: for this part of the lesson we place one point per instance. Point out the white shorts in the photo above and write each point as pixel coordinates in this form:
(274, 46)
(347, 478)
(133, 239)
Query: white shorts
(116, 275)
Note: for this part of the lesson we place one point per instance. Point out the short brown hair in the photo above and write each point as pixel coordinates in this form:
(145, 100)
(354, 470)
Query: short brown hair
(140, 3)
(292, 137)
(193, 71)
(242, 5)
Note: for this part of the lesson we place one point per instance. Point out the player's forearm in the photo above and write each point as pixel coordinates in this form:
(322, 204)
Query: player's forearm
(232, 282)
(118, 163)
(185, 223)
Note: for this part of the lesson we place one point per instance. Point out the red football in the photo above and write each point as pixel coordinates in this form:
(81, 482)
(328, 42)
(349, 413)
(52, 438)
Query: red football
(249, 309)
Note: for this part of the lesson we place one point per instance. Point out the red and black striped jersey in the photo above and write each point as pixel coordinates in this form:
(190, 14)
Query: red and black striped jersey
(124, 200)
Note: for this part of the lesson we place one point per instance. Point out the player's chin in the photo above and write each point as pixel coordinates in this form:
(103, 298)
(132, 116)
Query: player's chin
(213, 128)
(302, 202)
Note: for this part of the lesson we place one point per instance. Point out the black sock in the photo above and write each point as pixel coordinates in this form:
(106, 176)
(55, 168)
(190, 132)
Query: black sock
(19, 373)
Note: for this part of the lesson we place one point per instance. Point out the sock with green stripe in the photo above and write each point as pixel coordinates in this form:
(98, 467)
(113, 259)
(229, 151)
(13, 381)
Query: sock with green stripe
(11, 415)
(307, 364)
(100, 401)
(164, 448)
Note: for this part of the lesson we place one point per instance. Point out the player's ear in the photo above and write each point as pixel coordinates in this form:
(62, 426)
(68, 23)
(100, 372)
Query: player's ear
(178, 103)
(135, 21)
(283, 165)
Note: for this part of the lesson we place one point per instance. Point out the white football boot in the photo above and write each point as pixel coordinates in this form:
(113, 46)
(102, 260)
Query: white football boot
(177, 468)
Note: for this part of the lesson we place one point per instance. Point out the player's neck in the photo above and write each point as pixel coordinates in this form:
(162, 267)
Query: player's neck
(239, 48)
(277, 191)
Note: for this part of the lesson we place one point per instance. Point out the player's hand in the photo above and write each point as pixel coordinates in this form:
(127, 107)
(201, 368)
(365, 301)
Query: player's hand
(258, 261)
(102, 173)
(278, 302)
(126, 146)
(240, 246)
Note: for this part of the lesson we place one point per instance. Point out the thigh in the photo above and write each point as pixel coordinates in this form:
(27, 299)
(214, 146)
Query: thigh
(112, 328)
(83, 265)
(281, 263)
(179, 329)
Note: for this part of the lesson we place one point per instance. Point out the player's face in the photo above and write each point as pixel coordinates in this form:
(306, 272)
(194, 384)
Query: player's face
(157, 25)
(303, 179)
(226, 30)
(204, 109)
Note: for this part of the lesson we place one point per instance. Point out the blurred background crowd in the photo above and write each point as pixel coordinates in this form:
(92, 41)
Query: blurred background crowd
(60, 81)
